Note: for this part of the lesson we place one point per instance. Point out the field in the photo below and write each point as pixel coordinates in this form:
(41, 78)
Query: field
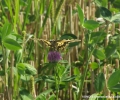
(59, 49)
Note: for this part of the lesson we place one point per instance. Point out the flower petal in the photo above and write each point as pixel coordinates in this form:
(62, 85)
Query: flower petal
(54, 56)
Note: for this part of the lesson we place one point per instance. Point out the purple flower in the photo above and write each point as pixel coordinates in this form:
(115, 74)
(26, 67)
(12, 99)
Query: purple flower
(54, 56)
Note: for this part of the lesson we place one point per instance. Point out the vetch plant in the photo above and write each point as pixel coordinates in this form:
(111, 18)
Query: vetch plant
(30, 72)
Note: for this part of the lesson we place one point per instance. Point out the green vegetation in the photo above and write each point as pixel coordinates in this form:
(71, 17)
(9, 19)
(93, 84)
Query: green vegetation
(86, 68)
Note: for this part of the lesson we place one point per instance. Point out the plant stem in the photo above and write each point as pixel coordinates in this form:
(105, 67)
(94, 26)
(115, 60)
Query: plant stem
(88, 55)
(83, 79)
(57, 82)
(11, 76)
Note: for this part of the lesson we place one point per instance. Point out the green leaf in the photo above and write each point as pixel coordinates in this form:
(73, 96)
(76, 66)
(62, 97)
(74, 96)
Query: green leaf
(49, 81)
(42, 96)
(38, 79)
(73, 44)
(69, 78)
(99, 54)
(6, 30)
(25, 78)
(114, 10)
(11, 44)
(23, 2)
(26, 68)
(61, 70)
(99, 82)
(27, 10)
(30, 69)
(17, 35)
(111, 1)
(94, 65)
(76, 71)
(80, 14)
(42, 4)
(47, 78)
(105, 13)
(68, 36)
(21, 69)
(93, 96)
(116, 4)
(2, 73)
(100, 3)
(110, 49)
(18, 56)
(25, 95)
(77, 74)
(116, 18)
(115, 88)
(91, 24)
(48, 67)
(48, 11)
(114, 79)
(52, 97)
(97, 37)
(97, 96)
(15, 71)
(97, 14)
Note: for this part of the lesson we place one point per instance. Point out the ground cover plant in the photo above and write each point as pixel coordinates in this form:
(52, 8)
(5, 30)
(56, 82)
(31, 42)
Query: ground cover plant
(59, 49)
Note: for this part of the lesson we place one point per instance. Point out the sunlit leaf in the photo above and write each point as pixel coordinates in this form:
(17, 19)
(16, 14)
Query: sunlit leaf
(52, 97)
(17, 35)
(98, 96)
(21, 69)
(6, 30)
(93, 96)
(18, 56)
(102, 3)
(11, 44)
(116, 18)
(91, 24)
(76, 71)
(94, 65)
(99, 54)
(25, 78)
